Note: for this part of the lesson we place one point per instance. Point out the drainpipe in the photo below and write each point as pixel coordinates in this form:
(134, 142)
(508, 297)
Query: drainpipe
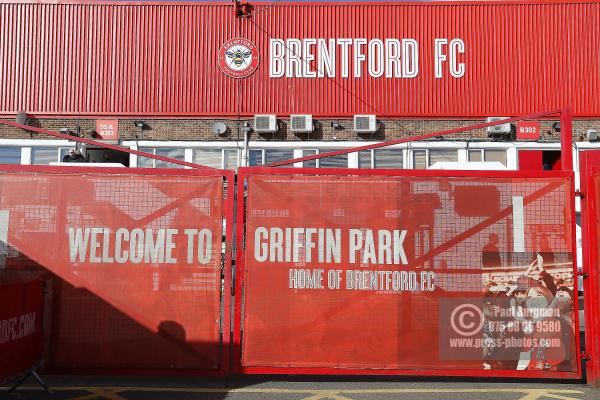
(246, 129)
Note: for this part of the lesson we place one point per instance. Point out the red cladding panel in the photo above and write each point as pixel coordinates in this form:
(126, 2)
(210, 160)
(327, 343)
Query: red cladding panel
(163, 59)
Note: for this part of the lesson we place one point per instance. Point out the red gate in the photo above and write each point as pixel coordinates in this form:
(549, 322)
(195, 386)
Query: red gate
(139, 279)
(590, 189)
(407, 272)
(338, 271)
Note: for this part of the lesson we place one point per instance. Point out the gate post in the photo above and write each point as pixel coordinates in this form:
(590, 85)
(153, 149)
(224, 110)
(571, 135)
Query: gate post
(591, 282)
(566, 139)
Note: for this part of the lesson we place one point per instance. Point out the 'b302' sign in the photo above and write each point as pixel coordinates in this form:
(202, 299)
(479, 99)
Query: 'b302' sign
(528, 130)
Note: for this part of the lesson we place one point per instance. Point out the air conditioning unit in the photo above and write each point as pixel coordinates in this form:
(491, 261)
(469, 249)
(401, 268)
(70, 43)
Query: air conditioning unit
(592, 135)
(301, 123)
(365, 123)
(265, 123)
(500, 130)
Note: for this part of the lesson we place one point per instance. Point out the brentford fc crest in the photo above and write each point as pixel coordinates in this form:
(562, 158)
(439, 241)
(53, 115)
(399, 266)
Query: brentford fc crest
(238, 58)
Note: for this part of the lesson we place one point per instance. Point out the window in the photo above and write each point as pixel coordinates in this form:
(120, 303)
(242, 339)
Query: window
(384, 158)
(145, 162)
(258, 157)
(388, 158)
(339, 161)
(422, 159)
(273, 155)
(44, 156)
(476, 155)
(178, 154)
(217, 158)
(230, 159)
(209, 157)
(496, 155)
(255, 157)
(365, 158)
(47, 155)
(311, 163)
(10, 155)
(487, 155)
(419, 159)
(63, 152)
(442, 155)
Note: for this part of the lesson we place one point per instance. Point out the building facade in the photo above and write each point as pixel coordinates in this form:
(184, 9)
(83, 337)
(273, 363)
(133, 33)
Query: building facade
(188, 80)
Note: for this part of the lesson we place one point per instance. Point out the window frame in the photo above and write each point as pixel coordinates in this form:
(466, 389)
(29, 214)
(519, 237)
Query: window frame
(454, 147)
(58, 149)
(186, 156)
(20, 153)
(223, 150)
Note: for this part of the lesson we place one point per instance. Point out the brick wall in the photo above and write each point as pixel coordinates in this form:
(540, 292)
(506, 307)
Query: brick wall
(201, 129)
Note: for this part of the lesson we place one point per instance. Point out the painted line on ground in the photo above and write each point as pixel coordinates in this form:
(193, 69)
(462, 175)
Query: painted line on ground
(334, 394)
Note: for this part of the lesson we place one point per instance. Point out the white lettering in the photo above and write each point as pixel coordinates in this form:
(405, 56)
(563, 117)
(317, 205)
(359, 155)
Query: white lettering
(410, 58)
(440, 57)
(345, 54)
(359, 56)
(78, 242)
(204, 246)
(294, 63)
(260, 248)
(277, 64)
(392, 63)
(326, 58)
(309, 57)
(121, 256)
(376, 55)
(457, 46)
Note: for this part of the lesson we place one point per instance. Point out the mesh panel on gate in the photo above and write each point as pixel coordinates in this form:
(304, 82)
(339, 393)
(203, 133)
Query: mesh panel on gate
(135, 262)
(408, 252)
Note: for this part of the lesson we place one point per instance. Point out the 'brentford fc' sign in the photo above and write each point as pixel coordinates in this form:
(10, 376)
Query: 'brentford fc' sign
(238, 58)
(346, 58)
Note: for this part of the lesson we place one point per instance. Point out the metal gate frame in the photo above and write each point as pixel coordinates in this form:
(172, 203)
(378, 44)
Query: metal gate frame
(243, 174)
(589, 169)
(228, 177)
(234, 349)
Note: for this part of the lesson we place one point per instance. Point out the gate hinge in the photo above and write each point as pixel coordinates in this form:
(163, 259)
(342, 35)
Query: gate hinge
(582, 274)
(579, 193)
(584, 356)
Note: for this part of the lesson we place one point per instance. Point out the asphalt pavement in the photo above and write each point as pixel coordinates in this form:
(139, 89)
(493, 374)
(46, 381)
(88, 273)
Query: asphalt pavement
(298, 388)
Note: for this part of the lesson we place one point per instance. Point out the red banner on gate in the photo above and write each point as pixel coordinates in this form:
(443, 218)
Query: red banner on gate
(137, 260)
(408, 272)
(21, 337)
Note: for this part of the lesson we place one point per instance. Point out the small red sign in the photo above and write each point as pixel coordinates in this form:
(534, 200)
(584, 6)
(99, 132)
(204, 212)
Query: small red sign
(528, 130)
(107, 129)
